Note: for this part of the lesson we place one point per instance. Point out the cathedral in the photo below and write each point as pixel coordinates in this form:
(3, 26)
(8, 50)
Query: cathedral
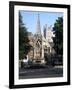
(41, 42)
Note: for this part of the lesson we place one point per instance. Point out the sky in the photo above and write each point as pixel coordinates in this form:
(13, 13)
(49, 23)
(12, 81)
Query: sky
(29, 18)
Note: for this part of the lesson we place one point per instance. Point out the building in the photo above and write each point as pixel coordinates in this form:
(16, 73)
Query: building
(41, 43)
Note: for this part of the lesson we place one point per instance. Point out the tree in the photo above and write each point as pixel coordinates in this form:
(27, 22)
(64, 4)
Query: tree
(24, 45)
(58, 39)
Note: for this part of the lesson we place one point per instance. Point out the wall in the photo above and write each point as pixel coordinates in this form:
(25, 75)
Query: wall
(4, 44)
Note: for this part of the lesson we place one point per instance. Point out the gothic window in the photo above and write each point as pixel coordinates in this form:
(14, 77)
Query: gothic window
(38, 44)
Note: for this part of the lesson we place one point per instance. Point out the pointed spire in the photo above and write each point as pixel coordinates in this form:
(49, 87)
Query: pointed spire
(38, 28)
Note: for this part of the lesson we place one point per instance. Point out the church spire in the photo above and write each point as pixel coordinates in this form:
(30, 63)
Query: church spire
(38, 28)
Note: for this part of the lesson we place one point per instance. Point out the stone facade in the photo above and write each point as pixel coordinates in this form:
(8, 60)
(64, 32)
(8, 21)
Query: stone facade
(41, 43)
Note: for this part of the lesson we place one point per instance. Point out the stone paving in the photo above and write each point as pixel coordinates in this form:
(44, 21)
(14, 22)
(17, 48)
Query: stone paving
(56, 71)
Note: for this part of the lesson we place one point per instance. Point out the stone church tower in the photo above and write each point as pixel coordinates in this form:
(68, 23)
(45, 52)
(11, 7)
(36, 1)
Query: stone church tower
(38, 43)
(41, 43)
(38, 27)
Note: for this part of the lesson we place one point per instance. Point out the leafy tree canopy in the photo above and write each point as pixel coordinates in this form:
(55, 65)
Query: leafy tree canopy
(58, 39)
(24, 45)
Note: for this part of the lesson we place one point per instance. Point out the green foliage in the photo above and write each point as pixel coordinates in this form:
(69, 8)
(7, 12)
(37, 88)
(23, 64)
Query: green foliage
(58, 39)
(24, 46)
(47, 59)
